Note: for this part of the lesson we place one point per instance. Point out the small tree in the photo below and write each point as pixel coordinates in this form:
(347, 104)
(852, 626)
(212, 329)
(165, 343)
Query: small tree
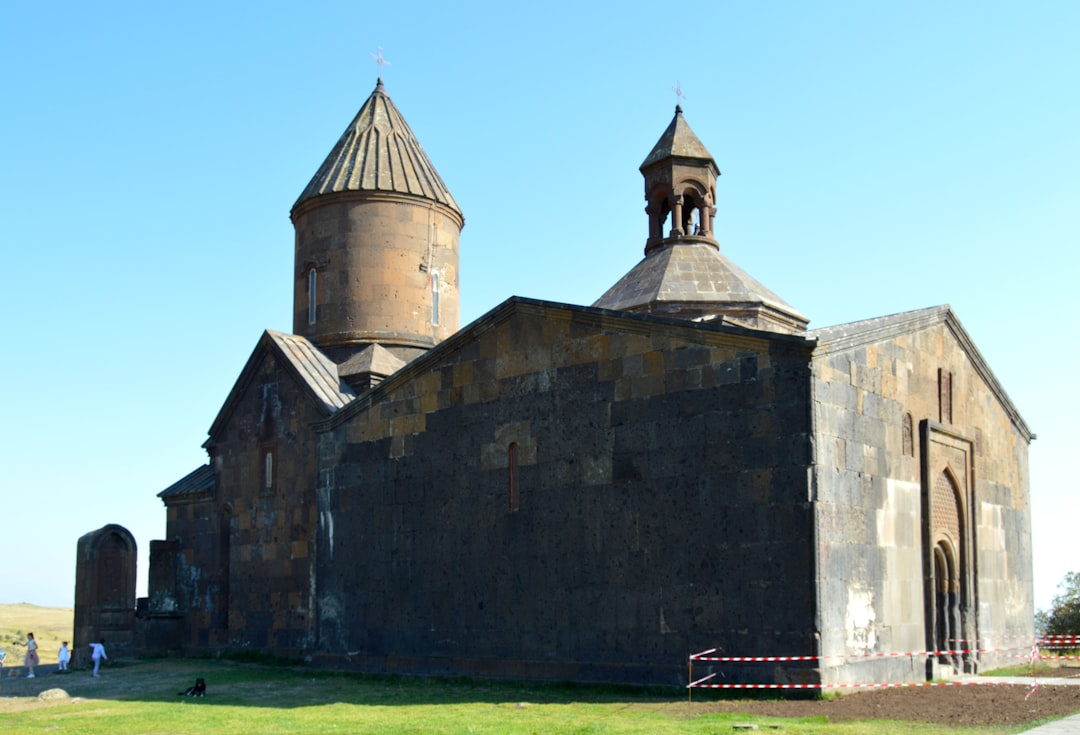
(1064, 615)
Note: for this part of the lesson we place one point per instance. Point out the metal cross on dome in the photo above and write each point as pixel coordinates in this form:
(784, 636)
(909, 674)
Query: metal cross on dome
(380, 61)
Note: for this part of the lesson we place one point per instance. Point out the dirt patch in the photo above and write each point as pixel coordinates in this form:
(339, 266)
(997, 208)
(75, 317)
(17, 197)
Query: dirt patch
(970, 706)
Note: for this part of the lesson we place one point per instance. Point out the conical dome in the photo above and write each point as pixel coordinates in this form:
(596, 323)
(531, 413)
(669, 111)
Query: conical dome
(376, 243)
(378, 152)
(677, 141)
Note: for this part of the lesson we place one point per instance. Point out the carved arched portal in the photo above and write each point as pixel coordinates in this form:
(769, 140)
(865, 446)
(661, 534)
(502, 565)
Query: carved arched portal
(950, 592)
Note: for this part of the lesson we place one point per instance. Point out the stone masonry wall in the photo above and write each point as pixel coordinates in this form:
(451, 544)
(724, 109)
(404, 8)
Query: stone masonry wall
(869, 488)
(195, 565)
(658, 505)
(250, 554)
(378, 260)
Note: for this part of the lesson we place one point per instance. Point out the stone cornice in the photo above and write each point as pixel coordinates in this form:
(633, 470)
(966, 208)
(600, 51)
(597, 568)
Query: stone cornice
(347, 197)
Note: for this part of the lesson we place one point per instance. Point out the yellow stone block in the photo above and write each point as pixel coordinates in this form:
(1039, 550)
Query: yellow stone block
(429, 402)
(413, 423)
(652, 363)
(373, 430)
(463, 374)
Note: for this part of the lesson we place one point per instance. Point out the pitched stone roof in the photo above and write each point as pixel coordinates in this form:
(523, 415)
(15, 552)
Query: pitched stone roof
(867, 331)
(585, 317)
(378, 153)
(317, 371)
(372, 360)
(695, 280)
(678, 140)
(199, 482)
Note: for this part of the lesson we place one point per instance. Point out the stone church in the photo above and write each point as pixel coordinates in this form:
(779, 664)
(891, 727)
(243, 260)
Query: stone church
(581, 492)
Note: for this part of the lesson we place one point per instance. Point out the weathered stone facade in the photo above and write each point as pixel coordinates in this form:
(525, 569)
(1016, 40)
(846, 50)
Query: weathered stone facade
(245, 566)
(649, 458)
(918, 452)
(590, 493)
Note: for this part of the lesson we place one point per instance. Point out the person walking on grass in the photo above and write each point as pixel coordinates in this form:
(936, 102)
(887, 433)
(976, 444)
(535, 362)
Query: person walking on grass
(97, 653)
(62, 657)
(32, 659)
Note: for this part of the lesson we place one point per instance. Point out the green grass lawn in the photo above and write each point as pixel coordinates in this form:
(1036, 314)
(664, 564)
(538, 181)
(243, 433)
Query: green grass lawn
(141, 697)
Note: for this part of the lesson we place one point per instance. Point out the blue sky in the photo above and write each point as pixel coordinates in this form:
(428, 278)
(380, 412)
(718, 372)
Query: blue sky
(876, 158)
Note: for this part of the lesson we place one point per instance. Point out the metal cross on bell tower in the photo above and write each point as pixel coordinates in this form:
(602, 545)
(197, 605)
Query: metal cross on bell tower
(679, 94)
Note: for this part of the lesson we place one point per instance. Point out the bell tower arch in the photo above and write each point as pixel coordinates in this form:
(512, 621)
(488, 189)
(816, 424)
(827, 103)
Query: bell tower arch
(680, 187)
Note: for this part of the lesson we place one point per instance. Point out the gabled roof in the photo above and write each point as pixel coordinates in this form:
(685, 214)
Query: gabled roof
(677, 141)
(317, 371)
(869, 331)
(378, 153)
(313, 371)
(199, 482)
(582, 316)
(696, 278)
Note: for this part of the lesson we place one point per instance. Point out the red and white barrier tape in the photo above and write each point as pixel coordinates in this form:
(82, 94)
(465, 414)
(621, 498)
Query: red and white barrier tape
(896, 654)
(1039, 638)
(896, 685)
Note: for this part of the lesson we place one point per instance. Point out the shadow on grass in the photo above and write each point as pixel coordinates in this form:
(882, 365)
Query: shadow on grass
(262, 683)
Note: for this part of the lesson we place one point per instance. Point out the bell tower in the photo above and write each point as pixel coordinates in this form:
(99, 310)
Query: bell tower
(377, 235)
(680, 180)
(684, 274)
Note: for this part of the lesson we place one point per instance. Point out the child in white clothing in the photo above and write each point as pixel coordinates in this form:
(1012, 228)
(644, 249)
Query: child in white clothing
(97, 653)
(63, 657)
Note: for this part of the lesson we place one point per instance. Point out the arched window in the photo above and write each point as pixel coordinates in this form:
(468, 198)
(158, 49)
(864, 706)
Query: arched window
(909, 435)
(512, 467)
(312, 282)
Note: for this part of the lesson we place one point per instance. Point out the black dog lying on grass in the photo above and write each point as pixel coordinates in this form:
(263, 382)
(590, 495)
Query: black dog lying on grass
(199, 690)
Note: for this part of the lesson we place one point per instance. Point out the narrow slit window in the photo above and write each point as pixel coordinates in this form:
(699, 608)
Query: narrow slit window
(312, 282)
(435, 299)
(945, 393)
(268, 470)
(511, 463)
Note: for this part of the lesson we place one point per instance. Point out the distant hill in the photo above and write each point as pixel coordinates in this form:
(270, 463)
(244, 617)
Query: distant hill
(50, 626)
